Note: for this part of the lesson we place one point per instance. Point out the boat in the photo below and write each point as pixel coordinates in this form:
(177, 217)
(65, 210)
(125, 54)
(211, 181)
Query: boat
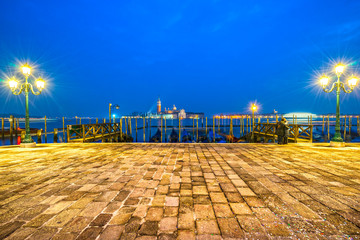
(218, 138)
(156, 137)
(174, 137)
(185, 137)
(203, 138)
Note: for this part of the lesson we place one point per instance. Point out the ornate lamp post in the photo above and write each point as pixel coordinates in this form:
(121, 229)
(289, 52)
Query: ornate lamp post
(337, 141)
(253, 109)
(26, 87)
(111, 106)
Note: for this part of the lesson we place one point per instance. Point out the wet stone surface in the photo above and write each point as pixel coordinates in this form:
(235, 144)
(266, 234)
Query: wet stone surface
(180, 191)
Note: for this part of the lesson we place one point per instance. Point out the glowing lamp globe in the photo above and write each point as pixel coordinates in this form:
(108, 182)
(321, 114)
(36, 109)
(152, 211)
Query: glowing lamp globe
(13, 84)
(339, 68)
(40, 83)
(324, 81)
(352, 82)
(253, 107)
(26, 69)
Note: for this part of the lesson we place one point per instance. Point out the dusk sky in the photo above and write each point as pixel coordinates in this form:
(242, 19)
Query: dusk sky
(204, 56)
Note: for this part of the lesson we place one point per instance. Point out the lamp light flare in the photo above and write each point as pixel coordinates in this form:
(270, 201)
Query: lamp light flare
(13, 83)
(352, 81)
(253, 107)
(339, 69)
(26, 69)
(324, 80)
(40, 83)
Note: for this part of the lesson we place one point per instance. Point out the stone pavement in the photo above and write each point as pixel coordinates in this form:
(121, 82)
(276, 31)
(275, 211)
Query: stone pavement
(179, 191)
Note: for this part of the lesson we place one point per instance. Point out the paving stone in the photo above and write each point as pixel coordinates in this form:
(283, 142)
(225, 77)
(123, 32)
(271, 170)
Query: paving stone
(186, 235)
(169, 191)
(168, 225)
(9, 228)
(186, 221)
(101, 220)
(230, 228)
(21, 233)
(111, 232)
(89, 233)
(154, 214)
(207, 227)
(149, 228)
(44, 233)
(77, 224)
(240, 208)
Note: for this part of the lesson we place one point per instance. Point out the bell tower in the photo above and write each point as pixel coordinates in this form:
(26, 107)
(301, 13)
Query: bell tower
(159, 106)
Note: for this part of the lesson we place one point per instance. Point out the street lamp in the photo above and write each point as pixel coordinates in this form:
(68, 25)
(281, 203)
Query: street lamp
(253, 109)
(111, 106)
(338, 85)
(26, 87)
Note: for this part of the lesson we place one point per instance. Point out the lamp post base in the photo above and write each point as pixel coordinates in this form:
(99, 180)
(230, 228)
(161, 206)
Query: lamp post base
(337, 144)
(28, 145)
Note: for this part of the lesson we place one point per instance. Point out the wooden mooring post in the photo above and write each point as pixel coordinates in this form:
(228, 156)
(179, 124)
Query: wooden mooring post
(197, 129)
(136, 130)
(150, 128)
(144, 128)
(63, 131)
(55, 135)
(130, 127)
(358, 124)
(206, 126)
(344, 127)
(179, 129)
(126, 126)
(11, 121)
(323, 124)
(38, 135)
(350, 125)
(15, 128)
(3, 130)
(165, 129)
(193, 128)
(213, 129)
(45, 129)
(161, 129)
(80, 120)
(328, 127)
(231, 130)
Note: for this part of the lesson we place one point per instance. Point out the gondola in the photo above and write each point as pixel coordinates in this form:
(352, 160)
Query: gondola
(185, 137)
(156, 137)
(174, 137)
(218, 138)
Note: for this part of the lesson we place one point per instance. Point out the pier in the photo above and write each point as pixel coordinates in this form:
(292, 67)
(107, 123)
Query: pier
(180, 191)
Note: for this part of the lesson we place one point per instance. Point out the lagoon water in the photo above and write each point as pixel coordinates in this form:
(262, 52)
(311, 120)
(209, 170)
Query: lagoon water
(318, 136)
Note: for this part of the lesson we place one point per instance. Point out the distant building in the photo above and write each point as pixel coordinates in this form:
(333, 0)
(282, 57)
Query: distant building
(175, 113)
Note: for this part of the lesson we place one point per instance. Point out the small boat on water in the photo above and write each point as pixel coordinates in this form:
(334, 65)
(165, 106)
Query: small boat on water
(218, 138)
(186, 137)
(174, 136)
(203, 138)
(156, 137)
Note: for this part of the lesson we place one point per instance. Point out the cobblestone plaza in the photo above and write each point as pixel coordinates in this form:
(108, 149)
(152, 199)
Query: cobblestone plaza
(180, 191)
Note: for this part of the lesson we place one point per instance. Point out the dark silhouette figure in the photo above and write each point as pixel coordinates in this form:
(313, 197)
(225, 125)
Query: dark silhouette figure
(280, 132)
(285, 128)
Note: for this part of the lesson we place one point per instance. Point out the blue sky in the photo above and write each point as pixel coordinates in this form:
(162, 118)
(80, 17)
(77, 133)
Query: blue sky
(210, 56)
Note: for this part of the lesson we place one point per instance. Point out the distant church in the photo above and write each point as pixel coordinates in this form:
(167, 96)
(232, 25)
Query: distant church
(175, 113)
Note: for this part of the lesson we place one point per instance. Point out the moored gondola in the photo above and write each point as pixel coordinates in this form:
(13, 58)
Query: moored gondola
(156, 137)
(174, 136)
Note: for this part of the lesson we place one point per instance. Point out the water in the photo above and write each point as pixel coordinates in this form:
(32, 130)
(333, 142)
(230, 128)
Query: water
(318, 136)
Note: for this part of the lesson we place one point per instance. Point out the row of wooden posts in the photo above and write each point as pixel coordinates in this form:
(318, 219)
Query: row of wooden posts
(245, 124)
